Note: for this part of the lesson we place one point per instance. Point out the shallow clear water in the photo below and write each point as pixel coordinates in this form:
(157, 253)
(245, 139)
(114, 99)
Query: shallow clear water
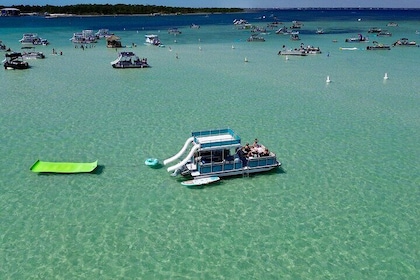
(344, 205)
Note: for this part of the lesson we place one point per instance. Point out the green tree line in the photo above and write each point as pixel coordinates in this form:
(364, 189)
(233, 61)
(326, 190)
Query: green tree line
(123, 9)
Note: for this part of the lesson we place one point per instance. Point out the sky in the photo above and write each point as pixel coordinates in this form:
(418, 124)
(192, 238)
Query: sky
(233, 3)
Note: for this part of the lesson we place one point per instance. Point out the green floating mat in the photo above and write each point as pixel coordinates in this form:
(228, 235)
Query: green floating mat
(63, 167)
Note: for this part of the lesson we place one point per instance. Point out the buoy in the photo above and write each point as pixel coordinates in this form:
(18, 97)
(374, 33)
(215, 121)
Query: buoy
(246, 59)
(328, 79)
(386, 76)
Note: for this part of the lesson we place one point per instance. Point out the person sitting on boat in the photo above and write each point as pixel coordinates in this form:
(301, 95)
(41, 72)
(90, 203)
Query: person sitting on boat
(256, 145)
(265, 153)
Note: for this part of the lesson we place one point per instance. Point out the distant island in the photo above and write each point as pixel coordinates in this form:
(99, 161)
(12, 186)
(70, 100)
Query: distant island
(153, 10)
(117, 9)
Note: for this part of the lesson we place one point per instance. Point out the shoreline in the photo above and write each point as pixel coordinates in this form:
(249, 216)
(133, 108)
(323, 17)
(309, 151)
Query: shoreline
(247, 10)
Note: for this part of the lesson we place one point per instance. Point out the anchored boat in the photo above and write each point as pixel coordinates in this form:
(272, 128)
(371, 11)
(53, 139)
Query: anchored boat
(153, 40)
(14, 61)
(129, 60)
(33, 39)
(220, 153)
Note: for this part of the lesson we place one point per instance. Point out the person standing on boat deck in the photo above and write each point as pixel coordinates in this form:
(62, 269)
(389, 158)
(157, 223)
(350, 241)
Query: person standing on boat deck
(246, 148)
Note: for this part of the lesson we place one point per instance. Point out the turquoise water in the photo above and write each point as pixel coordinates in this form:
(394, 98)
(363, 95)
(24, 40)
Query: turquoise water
(345, 205)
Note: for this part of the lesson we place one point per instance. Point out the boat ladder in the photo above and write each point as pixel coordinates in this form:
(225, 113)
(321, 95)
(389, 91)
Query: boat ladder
(245, 172)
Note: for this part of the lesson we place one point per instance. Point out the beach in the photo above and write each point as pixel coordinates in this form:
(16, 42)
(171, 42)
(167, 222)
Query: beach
(345, 203)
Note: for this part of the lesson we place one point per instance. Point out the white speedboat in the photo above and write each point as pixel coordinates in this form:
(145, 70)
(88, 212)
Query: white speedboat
(33, 55)
(103, 33)
(404, 42)
(84, 37)
(255, 38)
(129, 60)
(296, 52)
(153, 40)
(384, 33)
(174, 31)
(33, 39)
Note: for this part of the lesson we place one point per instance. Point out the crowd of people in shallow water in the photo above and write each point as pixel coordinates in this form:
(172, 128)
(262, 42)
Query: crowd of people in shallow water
(84, 46)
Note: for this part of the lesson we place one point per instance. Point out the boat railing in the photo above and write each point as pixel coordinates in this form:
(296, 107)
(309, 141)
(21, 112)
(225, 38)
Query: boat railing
(222, 166)
(262, 161)
(211, 167)
(236, 140)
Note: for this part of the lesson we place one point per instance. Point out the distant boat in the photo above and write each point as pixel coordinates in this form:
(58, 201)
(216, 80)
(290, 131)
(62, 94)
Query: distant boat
(129, 60)
(404, 42)
(359, 38)
(153, 40)
(14, 61)
(292, 52)
(328, 80)
(33, 39)
(33, 55)
(174, 31)
(255, 38)
(349, 49)
(103, 33)
(377, 46)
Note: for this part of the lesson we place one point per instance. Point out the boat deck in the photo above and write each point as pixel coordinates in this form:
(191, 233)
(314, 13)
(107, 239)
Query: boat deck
(214, 138)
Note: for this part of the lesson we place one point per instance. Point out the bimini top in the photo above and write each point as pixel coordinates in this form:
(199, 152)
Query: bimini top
(219, 138)
(13, 55)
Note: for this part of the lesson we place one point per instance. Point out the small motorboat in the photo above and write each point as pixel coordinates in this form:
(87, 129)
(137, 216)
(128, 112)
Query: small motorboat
(33, 55)
(255, 38)
(153, 40)
(377, 46)
(33, 39)
(359, 38)
(129, 60)
(404, 42)
(14, 60)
